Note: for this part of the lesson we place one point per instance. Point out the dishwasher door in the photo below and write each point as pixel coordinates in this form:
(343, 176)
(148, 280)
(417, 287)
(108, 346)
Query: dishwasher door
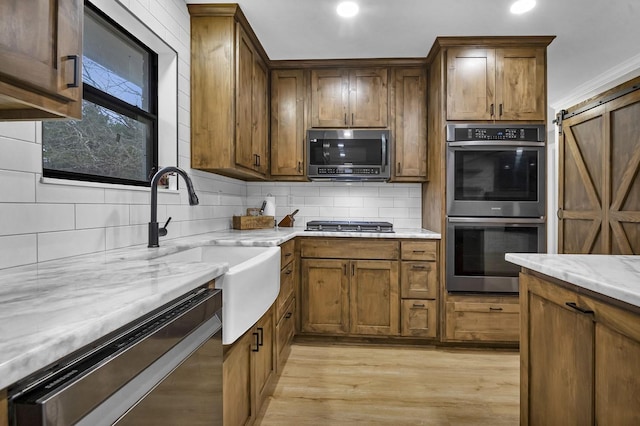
(165, 370)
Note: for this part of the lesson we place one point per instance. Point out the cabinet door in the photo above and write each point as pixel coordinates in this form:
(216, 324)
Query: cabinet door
(287, 123)
(260, 116)
(329, 97)
(409, 115)
(368, 98)
(419, 318)
(237, 372)
(559, 357)
(244, 101)
(325, 296)
(520, 84)
(419, 280)
(264, 357)
(470, 83)
(374, 297)
(285, 330)
(41, 48)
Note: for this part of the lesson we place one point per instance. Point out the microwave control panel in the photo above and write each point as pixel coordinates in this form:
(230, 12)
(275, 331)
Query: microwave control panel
(348, 170)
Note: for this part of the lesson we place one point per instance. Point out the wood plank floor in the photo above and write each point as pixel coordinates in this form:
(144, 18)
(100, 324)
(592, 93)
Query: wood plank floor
(340, 385)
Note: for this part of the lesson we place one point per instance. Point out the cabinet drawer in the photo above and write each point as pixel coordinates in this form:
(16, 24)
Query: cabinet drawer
(287, 253)
(419, 280)
(419, 318)
(285, 330)
(345, 248)
(287, 284)
(420, 250)
(483, 321)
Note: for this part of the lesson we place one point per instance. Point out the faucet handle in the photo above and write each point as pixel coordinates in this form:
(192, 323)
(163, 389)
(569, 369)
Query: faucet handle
(163, 231)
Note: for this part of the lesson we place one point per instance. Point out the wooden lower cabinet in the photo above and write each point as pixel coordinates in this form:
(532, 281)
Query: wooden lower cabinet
(580, 357)
(248, 367)
(482, 319)
(285, 330)
(350, 296)
(419, 318)
(4, 412)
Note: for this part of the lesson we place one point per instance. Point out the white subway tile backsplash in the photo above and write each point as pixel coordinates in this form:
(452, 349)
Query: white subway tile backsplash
(406, 202)
(377, 202)
(68, 193)
(20, 156)
(57, 245)
(18, 250)
(17, 187)
(32, 218)
(394, 212)
(394, 191)
(125, 236)
(349, 202)
(334, 191)
(123, 196)
(318, 201)
(21, 130)
(101, 215)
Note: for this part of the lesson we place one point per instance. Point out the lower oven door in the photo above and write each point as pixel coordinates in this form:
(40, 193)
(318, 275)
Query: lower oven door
(475, 249)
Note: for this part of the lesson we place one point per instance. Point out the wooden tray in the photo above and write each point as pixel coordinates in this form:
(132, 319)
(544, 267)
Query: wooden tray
(253, 222)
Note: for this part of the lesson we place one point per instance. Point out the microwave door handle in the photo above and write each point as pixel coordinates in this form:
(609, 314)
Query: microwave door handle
(384, 153)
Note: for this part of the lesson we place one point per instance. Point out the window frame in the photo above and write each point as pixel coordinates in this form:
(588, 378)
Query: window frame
(105, 100)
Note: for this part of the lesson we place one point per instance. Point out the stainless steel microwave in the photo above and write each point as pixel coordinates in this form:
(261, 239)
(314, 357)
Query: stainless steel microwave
(348, 154)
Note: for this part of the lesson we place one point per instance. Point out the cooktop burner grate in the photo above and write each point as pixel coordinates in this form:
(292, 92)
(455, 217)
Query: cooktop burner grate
(348, 226)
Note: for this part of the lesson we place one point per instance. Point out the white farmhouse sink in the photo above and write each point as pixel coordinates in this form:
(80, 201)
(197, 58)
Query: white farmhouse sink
(249, 288)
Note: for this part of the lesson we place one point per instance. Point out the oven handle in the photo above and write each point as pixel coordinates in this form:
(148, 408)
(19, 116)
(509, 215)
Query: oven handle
(524, 220)
(505, 144)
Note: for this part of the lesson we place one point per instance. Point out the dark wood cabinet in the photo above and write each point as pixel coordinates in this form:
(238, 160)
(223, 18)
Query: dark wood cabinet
(349, 97)
(229, 101)
(579, 356)
(287, 125)
(409, 124)
(486, 83)
(41, 51)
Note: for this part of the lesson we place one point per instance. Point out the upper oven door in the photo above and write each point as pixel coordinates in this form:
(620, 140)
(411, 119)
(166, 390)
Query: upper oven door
(496, 179)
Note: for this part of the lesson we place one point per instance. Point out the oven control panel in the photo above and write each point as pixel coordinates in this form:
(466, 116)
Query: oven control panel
(470, 132)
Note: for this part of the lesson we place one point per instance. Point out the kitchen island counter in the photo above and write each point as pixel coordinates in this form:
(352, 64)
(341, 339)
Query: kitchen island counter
(617, 277)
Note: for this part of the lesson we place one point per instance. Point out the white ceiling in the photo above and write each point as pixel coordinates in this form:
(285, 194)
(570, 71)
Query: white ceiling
(593, 36)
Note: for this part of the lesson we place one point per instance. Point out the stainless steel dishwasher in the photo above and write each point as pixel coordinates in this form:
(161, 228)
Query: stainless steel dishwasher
(163, 370)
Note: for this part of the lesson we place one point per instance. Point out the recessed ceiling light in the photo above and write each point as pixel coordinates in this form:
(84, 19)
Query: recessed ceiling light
(522, 6)
(347, 9)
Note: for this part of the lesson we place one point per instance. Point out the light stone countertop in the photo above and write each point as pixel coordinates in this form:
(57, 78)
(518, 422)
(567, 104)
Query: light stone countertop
(614, 276)
(51, 309)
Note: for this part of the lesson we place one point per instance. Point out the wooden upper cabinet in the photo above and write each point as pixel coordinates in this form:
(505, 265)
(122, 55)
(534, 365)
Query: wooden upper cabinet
(349, 97)
(41, 66)
(229, 94)
(409, 121)
(496, 84)
(287, 124)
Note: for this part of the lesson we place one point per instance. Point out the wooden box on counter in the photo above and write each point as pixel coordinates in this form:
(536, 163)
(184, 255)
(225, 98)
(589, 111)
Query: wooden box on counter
(253, 222)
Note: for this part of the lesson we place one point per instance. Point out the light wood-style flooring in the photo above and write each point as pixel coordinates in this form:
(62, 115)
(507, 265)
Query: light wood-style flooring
(342, 384)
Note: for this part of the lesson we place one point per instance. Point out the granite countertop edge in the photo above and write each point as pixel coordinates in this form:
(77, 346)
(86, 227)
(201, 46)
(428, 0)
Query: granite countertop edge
(51, 309)
(614, 276)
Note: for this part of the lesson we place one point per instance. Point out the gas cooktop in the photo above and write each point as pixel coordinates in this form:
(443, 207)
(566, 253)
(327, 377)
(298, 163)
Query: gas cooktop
(348, 226)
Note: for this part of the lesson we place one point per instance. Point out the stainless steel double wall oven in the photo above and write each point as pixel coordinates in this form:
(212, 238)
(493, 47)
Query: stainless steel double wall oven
(495, 203)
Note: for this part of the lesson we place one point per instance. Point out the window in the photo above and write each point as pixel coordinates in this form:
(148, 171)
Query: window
(116, 140)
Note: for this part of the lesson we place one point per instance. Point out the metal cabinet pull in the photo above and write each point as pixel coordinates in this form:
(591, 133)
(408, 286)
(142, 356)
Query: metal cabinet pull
(288, 272)
(352, 118)
(419, 267)
(353, 270)
(345, 118)
(345, 268)
(500, 109)
(494, 309)
(574, 305)
(288, 315)
(261, 336)
(399, 168)
(75, 59)
(419, 251)
(257, 349)
(288, 254)
(299, 167)
(418, 305)
(491, 110)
